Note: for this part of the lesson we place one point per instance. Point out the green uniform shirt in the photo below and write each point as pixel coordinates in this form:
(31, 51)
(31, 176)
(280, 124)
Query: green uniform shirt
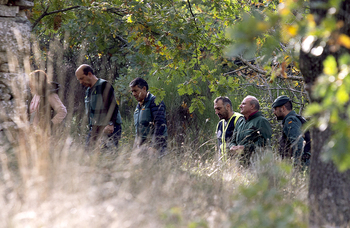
(291, 142)
(255, 131)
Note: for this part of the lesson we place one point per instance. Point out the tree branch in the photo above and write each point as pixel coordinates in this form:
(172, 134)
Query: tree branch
(194, 17)
(290, 77)
(52, 12)
(232, 72)
(115, 11)
(251, 66)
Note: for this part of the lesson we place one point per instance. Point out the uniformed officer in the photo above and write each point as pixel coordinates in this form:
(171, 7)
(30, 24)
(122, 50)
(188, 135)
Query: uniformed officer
(291, 143)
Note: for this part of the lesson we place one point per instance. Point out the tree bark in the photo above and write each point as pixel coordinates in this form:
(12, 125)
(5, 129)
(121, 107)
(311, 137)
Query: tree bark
(329, 190)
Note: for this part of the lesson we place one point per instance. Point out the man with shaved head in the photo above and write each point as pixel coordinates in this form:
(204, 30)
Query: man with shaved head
(101, 107)
(254, 131)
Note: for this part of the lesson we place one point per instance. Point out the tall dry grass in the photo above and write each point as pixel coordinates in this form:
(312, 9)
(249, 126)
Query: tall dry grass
(48, 179)
(53, 182)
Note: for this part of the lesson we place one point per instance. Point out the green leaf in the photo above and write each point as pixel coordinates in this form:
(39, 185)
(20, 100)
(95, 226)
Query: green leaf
(313, 109)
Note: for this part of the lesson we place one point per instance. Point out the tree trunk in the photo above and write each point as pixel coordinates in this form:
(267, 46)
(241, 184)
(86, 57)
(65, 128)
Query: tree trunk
(329, 191)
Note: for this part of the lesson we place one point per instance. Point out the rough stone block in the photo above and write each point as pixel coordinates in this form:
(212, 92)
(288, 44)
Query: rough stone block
(8, 11)
(3, 57)
(3, 2)
(24, 4)
(4, 68)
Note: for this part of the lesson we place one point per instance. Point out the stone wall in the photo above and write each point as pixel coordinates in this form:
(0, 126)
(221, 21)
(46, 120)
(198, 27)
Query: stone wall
(15, 32)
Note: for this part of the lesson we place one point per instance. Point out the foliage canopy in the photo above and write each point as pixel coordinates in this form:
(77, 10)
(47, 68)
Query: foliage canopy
(215, 42)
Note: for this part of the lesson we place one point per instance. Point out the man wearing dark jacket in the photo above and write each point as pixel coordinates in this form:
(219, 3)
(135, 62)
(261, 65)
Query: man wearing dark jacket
(101, 107)
(226, 125)
(291, 143)
(254, 131)
(149, 118)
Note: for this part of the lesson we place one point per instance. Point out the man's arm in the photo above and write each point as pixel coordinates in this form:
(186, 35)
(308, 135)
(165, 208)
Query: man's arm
(233, 140)
(292, 129)
(60, 109)
(110, 103)
(233, 144)
(159, 120)
(111, 106)
(265, 132)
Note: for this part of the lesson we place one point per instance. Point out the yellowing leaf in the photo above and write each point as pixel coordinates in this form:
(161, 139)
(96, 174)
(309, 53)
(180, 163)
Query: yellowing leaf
(344, 40)
(311, 20)
(287, 59)
(284, 11)
(292, 30)
(342, 95)
(330, 66)
(129, 20)
(262, 26)
(334, 116)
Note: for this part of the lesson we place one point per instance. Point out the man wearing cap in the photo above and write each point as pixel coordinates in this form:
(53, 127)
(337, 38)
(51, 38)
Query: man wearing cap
(227, 123)
(291, 142)
(252, 132)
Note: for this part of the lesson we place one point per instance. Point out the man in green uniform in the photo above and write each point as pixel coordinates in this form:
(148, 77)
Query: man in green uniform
(226, 125)
(149, 119)
(291, 143)
(254, 131)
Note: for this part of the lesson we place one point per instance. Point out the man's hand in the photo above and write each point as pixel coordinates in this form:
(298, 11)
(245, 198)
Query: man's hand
(236, 150)
(108, 129)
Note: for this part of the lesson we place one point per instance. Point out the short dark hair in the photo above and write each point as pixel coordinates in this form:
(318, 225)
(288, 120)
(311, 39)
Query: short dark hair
(140, 82)
(288, 105)
(87, 69)
(225, 101)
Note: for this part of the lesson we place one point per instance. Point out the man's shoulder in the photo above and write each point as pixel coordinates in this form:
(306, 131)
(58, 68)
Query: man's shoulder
(237, 114)
(152, 99)
(260, 118)
(219, 125)
(261, 121)
(292, 119)
(101, 82)
(104, 85)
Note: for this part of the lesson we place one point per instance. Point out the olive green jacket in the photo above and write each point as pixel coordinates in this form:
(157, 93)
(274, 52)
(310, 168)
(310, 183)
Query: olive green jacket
(253, 132)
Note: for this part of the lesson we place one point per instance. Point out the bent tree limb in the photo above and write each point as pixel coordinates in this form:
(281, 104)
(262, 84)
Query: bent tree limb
(251, 66)
(263, 72)
(52, 12)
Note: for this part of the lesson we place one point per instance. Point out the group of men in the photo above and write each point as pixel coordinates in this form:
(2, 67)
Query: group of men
(243, 134)
(104, 120)
(239, 134)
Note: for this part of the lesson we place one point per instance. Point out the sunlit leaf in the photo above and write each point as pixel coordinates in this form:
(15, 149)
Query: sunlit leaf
(330, 65)
(292, 30)
(313, 109)
(344, 40)
(342, 95)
